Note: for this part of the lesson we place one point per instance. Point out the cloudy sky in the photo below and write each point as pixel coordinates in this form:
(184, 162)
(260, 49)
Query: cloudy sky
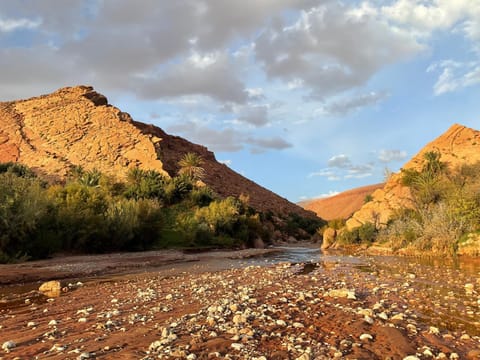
(305, 97)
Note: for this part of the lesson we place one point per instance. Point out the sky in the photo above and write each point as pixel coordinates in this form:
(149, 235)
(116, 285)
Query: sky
(305, 97)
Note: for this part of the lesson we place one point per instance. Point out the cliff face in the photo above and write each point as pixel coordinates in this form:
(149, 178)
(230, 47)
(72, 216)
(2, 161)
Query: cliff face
(76, 126)
(340, 206)
(459, 145)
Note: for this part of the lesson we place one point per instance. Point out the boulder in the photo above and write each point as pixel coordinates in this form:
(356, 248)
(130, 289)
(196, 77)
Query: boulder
(258, 243)
(51, 288)
(329, 236)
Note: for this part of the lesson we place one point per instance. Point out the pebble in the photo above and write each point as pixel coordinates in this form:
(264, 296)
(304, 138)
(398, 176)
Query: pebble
(8, 345)
(366, 337)
(237, 346)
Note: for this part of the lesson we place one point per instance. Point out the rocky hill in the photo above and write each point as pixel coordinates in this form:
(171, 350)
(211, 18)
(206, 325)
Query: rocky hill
(340, 206)
(459, 145)
(76, 126)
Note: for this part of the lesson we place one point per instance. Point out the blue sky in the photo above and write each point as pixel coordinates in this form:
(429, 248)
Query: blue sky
(305, 97)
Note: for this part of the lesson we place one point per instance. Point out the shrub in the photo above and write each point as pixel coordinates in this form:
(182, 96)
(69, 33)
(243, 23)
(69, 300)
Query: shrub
(24, 215)
(346, 237)
(367, 232)
(17, 169)
(176, 189)
(145, 184)
(202, 196)
(368, 198)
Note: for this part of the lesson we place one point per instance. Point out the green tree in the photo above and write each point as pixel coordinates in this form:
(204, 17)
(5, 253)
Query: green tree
(145, 184)
(433, 164)
(191, 165)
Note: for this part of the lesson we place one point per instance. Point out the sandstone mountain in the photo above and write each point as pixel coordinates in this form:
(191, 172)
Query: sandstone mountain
(340, 206)
(76, 126)
(459, 145)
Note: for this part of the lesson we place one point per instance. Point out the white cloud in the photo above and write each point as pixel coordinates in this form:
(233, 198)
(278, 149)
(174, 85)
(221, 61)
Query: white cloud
(329, 51)
(228, 140)
(327, 173)
(387, 156)
(213, 76)
(253, 115)
(341, 167)
(227, 162)
(455, 75)
(339, 161)
(358, 176)
(359, 171)
(10, 25)
(431, 15)
(327, 195)
(354, 103)
(256, 93)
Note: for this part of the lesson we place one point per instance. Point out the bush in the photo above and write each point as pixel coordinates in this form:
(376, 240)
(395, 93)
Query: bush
(17, 169)
(346, 237)
(296, 222)
(202, 196)
(145, 184)
(367, 233)
(24, 216)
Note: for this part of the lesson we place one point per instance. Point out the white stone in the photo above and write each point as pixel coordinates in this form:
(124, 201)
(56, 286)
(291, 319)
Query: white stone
(237, 346)
(366, 337)
(8, 345)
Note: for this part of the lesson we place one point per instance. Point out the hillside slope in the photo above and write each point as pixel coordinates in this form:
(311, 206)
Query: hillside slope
(340, 206)
(76, 126)
(458, 145)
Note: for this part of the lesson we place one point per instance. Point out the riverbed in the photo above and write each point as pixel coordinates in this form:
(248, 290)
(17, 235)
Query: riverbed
(284, 303)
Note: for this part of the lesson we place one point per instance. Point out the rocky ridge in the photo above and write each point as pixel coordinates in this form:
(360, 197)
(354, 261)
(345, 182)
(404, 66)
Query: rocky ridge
(340, 206)
(459, 145)
(77, 126)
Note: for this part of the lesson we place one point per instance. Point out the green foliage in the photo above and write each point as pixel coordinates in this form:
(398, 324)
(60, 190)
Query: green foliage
(336, 224)
(191, 166)
(346, 237)
(220, 216)
(202, 196)
(93, 213)
(177, 189)
(447, 207)
(24, 216)
(145, 184)
(367, 233)
(90, 178)
(368, 198)
(296, 222)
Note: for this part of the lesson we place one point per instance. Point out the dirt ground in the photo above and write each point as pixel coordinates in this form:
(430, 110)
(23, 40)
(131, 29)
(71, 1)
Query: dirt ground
(170, 305)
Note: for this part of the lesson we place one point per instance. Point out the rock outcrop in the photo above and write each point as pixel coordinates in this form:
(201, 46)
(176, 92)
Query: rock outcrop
(76, 126)
(340, 206)
(459, 145)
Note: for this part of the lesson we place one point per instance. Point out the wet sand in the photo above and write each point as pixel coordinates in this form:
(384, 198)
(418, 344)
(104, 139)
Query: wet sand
(345, 308)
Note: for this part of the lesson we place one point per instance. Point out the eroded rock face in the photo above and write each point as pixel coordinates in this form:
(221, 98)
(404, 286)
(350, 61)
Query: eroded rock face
(459, 145)
(76, 126)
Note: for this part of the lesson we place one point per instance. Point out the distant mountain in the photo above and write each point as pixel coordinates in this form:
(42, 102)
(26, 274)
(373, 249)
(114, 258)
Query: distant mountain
(340, 206)
(459, 145)
(76, 126)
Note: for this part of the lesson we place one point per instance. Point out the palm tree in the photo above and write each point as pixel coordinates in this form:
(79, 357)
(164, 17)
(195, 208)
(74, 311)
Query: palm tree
(191, 165)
